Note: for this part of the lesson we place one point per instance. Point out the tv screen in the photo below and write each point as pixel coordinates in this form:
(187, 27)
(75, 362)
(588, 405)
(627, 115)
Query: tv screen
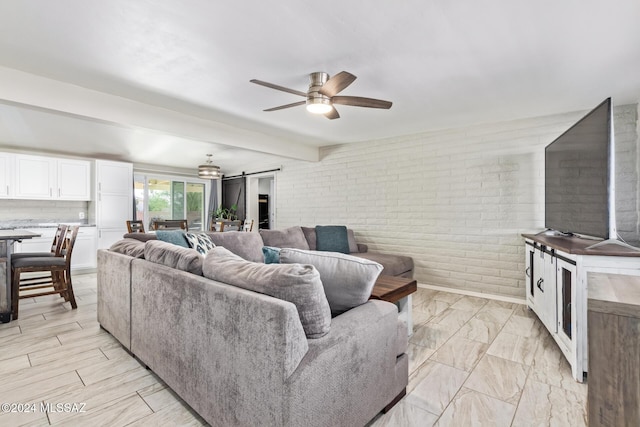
(577, 176)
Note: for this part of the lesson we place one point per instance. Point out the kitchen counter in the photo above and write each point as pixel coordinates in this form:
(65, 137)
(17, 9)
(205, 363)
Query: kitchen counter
(12, 225)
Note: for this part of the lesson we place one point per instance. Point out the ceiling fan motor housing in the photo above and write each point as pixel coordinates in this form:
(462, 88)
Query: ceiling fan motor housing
(316, 81)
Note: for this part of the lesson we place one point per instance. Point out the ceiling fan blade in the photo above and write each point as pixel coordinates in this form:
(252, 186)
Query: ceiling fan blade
(337, 83)
(282, 107)
(358, 101)
(333, 114)
(276, 87)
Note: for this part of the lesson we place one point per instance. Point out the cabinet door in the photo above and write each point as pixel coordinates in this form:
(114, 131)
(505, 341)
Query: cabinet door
(114, 177)
(113, 211)
(107, 237)
(34, 177)
(6, 169)
(566, 295)
(545, 286)
(84, 251)
(74, 180)
(529, 272)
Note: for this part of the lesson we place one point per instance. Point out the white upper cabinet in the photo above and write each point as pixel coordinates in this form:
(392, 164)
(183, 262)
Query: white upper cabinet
(74, 179)
(6, 175)
(35, 177)
(42, 178)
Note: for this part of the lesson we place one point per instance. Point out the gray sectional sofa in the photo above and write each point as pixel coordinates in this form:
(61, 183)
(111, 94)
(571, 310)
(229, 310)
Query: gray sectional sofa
(239, 357)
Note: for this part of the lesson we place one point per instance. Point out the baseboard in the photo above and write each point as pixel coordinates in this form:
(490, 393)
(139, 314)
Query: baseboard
(474, 294)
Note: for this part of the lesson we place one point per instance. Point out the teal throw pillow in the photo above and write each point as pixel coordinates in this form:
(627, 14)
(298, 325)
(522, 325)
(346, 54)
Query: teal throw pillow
(173, 236)
(332, 238)
(271, 255)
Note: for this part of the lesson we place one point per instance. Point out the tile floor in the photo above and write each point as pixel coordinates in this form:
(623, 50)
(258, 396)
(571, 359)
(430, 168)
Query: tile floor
(473, 361)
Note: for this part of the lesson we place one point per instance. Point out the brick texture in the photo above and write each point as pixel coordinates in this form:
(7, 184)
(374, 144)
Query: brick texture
(456, 201)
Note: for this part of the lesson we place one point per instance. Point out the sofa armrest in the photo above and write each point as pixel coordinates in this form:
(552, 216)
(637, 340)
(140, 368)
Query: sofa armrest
(362, 248)
(225, 350)
(359, 354)
(114, 294)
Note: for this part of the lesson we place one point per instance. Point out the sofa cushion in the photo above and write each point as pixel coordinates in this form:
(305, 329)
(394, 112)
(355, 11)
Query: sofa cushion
(173, 256)
(176, 237)
(244, 244)
(143, 237)
(347, 280)
(271, 255)
(310, 236)
(201, 242)
(394, 265)
(332, 238)
(291, 237)
(351, 237)
(296, 283)
(131, 247)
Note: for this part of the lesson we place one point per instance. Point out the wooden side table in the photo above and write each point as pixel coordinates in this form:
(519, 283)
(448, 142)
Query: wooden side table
(614, 350)
(396, 290)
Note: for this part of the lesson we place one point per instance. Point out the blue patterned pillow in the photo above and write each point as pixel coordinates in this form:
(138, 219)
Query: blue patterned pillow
(271, 255)
(201, 242)
(176, 237)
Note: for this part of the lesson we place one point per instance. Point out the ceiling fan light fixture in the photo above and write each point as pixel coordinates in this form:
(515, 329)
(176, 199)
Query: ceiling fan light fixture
(319, 105)
(209, 170)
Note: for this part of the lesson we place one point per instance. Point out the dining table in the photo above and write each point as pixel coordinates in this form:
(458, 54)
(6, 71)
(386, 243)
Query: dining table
(7, 239)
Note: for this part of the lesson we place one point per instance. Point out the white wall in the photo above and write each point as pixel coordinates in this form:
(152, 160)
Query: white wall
(456, 201)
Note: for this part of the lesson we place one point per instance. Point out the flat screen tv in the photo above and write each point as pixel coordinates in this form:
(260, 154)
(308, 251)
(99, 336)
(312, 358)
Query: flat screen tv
(579, 180)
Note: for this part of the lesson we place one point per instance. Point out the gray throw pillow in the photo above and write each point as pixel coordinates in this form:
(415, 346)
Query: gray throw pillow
(291, 237)
(131, 247)
(332, 238)
(347, 280)
(174, 256)
(298, 284)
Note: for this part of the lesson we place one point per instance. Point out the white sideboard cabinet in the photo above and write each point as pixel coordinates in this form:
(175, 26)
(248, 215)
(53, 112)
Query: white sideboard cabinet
(556, 280)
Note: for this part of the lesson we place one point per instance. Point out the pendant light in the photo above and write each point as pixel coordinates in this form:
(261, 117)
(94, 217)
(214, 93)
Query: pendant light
(209, 170)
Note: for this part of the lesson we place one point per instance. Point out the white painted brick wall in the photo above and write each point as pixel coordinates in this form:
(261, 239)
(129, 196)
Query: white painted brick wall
(456, 201)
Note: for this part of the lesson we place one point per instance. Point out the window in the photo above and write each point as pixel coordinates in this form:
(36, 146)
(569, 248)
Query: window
(163, 198)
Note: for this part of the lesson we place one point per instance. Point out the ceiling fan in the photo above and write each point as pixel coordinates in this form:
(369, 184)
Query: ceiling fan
(322, 94)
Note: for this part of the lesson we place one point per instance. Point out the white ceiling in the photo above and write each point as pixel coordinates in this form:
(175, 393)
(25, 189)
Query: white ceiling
(184, 68)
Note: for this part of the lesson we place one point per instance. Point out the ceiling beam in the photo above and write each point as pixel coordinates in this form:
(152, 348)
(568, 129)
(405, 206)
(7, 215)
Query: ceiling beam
(44, 93)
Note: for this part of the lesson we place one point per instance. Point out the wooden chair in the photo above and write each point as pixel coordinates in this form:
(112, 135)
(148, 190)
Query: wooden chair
(56, 246)
(170, 224)
(135, 226)
(59, 280)
(248, 226)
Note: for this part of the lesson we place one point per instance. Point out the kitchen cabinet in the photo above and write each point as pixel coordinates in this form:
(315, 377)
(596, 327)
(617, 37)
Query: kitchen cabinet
(6, 175)
(114, 200)
(47, 178)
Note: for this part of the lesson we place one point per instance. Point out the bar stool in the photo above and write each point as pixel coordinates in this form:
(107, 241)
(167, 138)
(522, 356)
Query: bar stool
(59, 279)
(56, 246)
